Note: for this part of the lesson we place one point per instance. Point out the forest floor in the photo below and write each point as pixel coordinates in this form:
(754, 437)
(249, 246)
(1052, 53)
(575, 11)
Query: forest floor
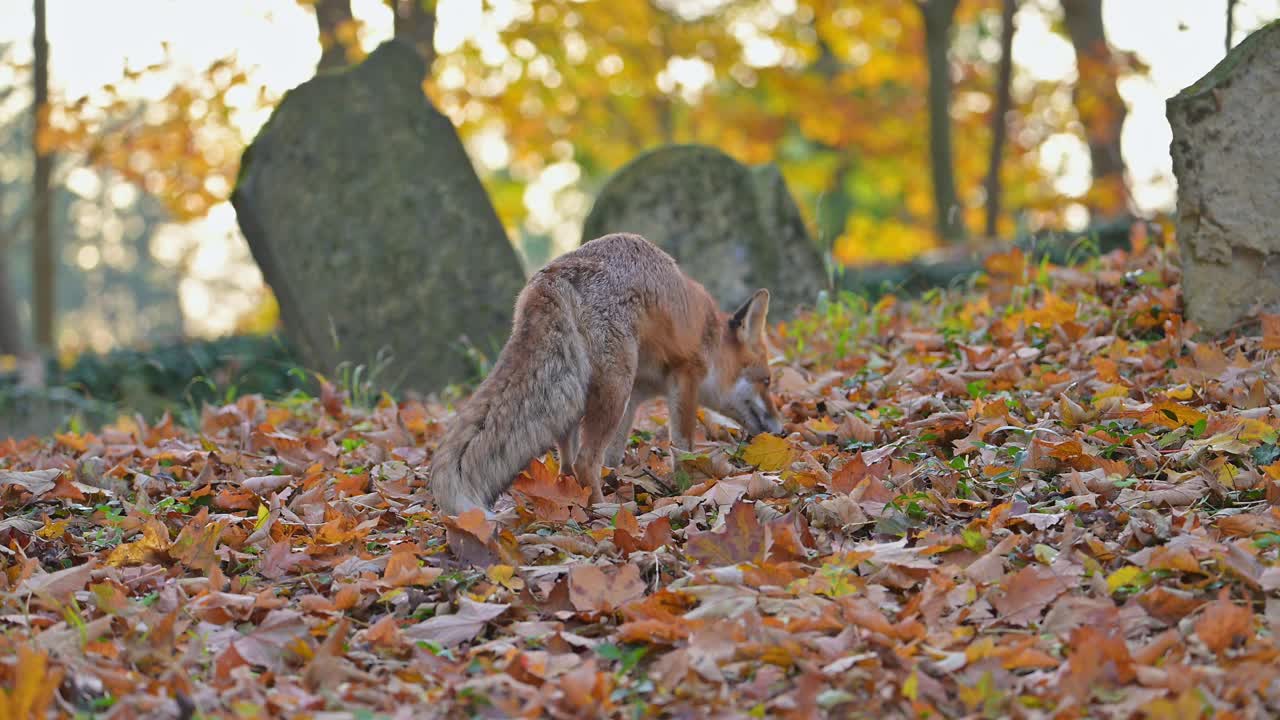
(1041, 496)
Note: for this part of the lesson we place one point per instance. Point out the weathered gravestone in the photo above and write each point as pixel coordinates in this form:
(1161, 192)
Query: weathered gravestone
(731, 227)
(370, 225)
(1226, 155)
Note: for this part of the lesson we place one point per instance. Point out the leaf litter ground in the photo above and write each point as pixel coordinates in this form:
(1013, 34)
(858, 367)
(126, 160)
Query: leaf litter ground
(1043, 496)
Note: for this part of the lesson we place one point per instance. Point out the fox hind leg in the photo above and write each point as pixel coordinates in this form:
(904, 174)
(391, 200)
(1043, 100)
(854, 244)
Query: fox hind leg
(607, 401)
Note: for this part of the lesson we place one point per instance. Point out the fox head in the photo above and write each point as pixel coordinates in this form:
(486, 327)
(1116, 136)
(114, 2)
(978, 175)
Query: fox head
(738, 382)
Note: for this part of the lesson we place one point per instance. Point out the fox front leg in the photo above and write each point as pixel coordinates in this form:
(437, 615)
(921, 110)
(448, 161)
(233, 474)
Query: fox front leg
(682, 402)
(618, 448)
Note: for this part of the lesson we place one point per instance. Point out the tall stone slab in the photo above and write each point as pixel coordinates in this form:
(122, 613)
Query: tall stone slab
(370, 225)
(732, 227)
(1226, 156)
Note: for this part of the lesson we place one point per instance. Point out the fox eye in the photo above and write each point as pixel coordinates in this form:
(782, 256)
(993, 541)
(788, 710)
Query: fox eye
(766, 382)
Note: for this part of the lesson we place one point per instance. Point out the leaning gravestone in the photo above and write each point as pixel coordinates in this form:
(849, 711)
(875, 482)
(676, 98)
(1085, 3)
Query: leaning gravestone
(1226, 156)
(369, 223)
(733, 228)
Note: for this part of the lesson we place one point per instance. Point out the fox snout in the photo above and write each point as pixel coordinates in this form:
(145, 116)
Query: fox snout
(761, 424)
(754, 409)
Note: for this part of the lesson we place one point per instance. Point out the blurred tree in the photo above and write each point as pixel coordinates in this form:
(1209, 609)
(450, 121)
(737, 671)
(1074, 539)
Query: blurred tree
(43, 252)
(1000, 118)
(11, 342)
(336, 27)
(183, 149)
(1231, 22)
(938, 18)
(832, 92)
(415, 23)
(1098, 103)
(855, 102)
(110, 287)
(12, 339)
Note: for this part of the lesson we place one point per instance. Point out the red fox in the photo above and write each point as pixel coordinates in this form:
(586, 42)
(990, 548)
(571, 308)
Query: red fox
(597, 332)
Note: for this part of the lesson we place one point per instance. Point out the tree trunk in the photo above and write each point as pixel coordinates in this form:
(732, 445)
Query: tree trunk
(1000, 120)
(42, 246)
(415, 22)
(11, 341)
(1098, 102)
(330, 15)
(10, 329)
(938, 15)
(1231, 22)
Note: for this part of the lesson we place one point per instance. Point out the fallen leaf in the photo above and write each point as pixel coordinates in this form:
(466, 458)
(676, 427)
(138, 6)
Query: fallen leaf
(550, 496)
(1169, 605)
(153, 547)
(266, 484)
(1270, 331)
(1223, 623)
(455, 629)
(768, 452)
(403, 570)
(36, 482)
(742, 540)
(591, 589)
(34, 682)
(58, 584)
(1025, 594)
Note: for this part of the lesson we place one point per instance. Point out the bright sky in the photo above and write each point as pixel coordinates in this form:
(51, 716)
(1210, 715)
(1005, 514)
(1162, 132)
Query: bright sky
(92, 42)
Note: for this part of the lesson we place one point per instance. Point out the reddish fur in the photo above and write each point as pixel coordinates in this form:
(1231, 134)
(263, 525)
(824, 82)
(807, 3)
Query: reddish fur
(596, 332)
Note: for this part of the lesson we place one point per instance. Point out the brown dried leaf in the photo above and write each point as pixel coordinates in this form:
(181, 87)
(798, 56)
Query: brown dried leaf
(591, 589)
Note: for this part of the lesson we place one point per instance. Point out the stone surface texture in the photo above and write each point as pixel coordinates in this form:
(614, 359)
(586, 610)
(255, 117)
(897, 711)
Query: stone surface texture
(732, 227)
(369, 223)
(1226, 156)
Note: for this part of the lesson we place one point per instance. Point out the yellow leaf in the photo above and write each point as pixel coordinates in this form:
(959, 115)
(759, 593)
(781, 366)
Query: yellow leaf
(980, 649)
(33, 687)
(1227, 474)
(73, 441)
(1254, 430)
(505, 575)
(768, 452)
(1113, 391)
(1072, 413)
(911, 688)
(1172, 415)
(1238, 440)
(53, 530)
(1127, 575)
(153, 547)
(263, 514)
(822, 425)
(301, 648)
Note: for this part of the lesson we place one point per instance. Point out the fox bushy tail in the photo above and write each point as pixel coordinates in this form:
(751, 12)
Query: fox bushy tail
(535, 392)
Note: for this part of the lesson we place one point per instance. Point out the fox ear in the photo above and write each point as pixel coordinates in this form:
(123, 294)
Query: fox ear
(749, 320)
